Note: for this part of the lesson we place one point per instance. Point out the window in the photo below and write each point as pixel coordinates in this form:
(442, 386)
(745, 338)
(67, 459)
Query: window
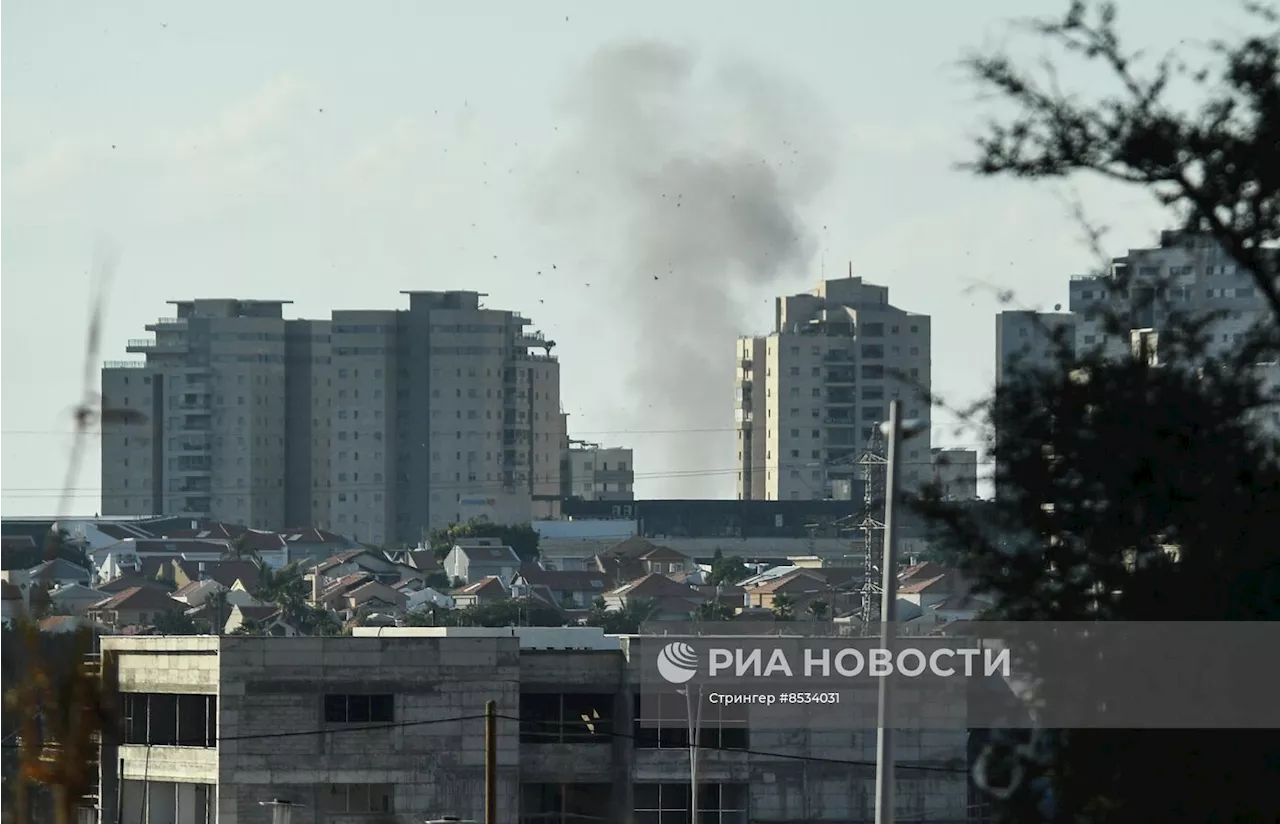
(873, 371)
(669, 803)
(554, 718)
(662, 723)
(358, 798)
(564, 803)
(170, 719)
(359, 709)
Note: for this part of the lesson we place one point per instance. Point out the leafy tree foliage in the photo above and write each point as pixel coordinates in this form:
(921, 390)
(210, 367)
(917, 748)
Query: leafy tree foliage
(523, 538)
(727, 571)
(175, 622)
(624, 621)
(784, 607)
(510, 612)
(713, 611)
(1127, 490)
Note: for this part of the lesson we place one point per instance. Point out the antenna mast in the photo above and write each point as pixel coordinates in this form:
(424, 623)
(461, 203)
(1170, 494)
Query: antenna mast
(874, 465)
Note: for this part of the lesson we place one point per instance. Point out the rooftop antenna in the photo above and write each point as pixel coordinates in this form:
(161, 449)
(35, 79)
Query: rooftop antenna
(851, 268)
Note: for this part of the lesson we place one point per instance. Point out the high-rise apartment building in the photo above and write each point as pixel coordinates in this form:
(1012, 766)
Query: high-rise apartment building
(378, 424)
(1186, 273)
(1026, 338)
(955, 471)
(811, 394)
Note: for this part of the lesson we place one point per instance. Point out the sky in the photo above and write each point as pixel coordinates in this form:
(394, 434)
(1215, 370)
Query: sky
(336, 153)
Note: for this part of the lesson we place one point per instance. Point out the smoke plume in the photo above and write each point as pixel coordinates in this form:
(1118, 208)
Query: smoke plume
(685, 178)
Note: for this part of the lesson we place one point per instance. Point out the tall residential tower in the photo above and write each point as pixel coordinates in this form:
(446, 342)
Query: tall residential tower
(811, 393)
(378, 424)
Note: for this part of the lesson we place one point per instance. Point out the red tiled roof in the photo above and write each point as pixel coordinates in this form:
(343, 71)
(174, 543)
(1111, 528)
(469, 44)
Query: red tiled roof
(567, 580)
(483, 585)
(136, 598)
(654, 585)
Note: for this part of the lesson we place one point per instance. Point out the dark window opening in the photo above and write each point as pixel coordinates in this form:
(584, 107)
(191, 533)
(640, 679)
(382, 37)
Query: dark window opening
(554, 718)
(359, 709)
(167, 719)
(662, 722)
(565, 803)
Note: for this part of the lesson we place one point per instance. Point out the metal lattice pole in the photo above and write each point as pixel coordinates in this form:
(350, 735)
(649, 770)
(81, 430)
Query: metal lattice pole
(874, 464)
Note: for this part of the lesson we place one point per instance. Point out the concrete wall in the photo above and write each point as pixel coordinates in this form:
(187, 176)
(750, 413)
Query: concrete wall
(275, 742)
(436, 765)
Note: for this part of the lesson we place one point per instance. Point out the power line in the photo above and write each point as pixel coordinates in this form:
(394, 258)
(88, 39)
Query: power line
(398, 725)
(679, 431)
(474, 487)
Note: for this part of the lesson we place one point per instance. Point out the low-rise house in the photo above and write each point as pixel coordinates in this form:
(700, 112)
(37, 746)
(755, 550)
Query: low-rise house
(362, 561)
(477, 558)
(635, 557)
(74, 599)
(136, 606)
(69, 624)
(225, 572)
(671, 600)
(131, 554)
(423, 561)
(265, 619)
(838, 588)
(11, 602)
(485, 591)
(136, 579)
(425, 597)
(57, 572)
(371, 596)
(568, 589)
(197, 593)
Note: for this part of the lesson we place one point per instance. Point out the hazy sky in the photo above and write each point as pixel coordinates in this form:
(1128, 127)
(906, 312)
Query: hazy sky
(336, 153)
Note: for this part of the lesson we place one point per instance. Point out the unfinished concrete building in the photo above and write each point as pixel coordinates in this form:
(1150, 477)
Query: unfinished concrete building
(388, 724)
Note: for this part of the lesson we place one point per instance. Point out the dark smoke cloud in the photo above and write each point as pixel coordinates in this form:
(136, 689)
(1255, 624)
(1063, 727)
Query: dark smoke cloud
(686, 180)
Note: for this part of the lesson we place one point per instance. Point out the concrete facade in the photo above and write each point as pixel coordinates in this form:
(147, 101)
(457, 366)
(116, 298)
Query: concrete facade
(955, 470)
(1186, 274)
(388, 725)
(377, 424)
(811, 393)
(597, 473)
(1025, 338)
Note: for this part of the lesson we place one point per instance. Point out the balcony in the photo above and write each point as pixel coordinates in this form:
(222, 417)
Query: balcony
(841, 376)
(535, 339)
(147, 345)
(166, 322)
(124, 364)
(614, 476)
(838, 356)
(839, 421)
(194, 443)
(745, 363)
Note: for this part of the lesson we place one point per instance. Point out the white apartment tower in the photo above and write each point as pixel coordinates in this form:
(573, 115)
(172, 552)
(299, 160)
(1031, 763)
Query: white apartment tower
(811, 394)
(212, 393)
(377, 424)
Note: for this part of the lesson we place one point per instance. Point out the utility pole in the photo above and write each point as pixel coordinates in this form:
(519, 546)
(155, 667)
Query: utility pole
(695, 728)
(888, 598)
(491, 763)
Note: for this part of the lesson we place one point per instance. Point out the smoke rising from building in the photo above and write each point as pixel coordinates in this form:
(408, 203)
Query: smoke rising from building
(686, 179)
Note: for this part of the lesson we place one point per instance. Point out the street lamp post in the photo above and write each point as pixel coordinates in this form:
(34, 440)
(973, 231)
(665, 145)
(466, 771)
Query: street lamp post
(888, 599)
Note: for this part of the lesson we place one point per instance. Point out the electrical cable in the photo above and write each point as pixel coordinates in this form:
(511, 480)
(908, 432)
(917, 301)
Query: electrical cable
(269, 736)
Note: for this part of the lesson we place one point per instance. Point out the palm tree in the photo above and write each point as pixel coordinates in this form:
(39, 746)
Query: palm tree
(238, 550)
(818, 609)
(784, 607)
(713, 611)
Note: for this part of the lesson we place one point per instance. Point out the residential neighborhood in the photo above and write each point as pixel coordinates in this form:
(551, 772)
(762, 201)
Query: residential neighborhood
(155, 577)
